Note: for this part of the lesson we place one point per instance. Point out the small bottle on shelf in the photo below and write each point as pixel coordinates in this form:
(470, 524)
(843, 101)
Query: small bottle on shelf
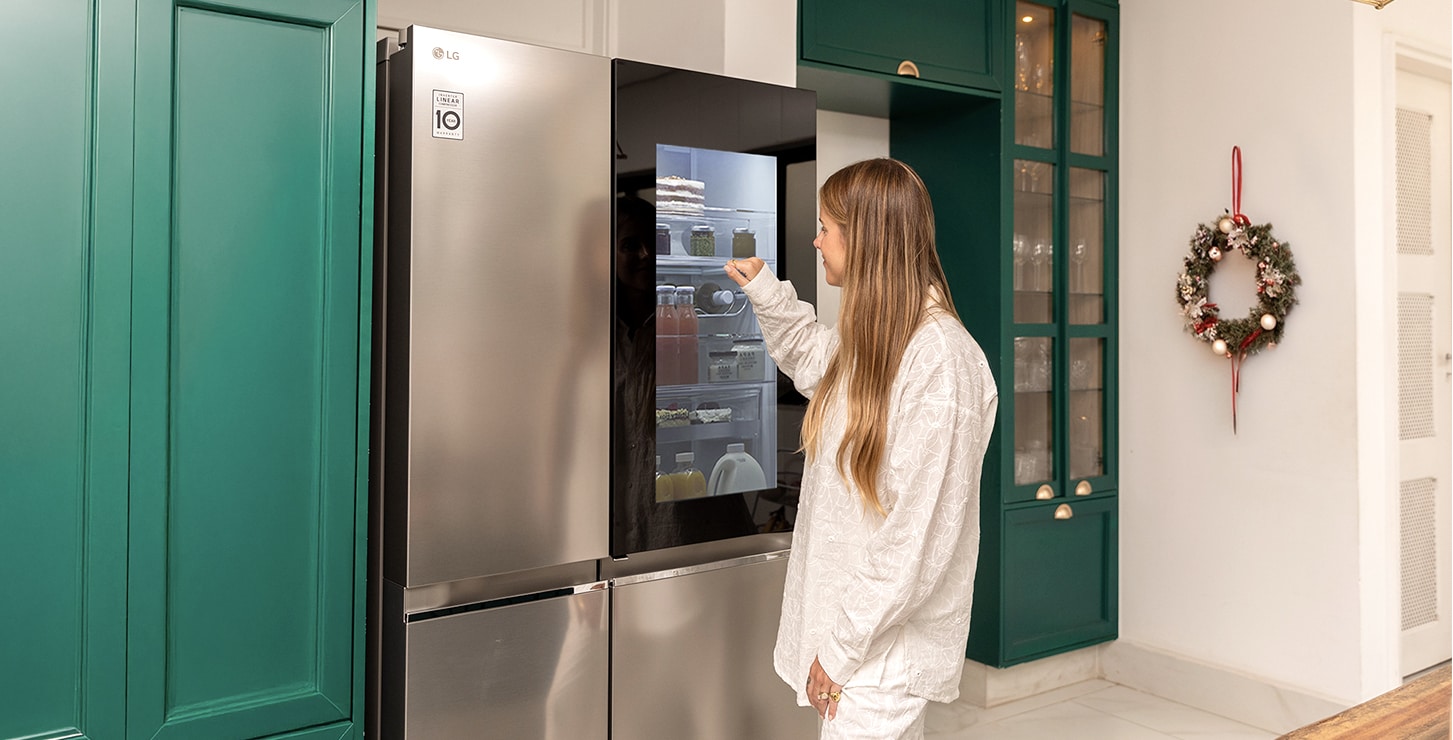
(663, 484)
(686, 480)
(668, 340)
(687, 330)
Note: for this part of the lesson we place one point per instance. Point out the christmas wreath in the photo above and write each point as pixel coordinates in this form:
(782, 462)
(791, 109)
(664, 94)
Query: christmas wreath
(1276, 281)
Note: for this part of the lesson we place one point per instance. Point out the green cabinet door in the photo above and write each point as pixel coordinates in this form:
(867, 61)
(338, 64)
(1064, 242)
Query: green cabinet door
(245, 427)
(955, 42)
(1059, 577)
(62, 537)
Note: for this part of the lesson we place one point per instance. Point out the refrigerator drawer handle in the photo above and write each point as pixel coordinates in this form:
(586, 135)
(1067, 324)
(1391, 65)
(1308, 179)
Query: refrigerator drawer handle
(702, 568)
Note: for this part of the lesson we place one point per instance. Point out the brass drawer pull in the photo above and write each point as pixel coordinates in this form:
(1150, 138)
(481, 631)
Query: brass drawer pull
(907, 68)
(1063, 511)
(1084, 488)
(1044, 493)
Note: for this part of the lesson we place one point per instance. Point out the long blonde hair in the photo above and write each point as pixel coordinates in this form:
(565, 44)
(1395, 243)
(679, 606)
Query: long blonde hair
(890, 273)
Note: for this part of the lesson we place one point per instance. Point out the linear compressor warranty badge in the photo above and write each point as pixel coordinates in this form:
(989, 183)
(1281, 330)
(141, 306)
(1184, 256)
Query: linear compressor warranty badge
(448, 115)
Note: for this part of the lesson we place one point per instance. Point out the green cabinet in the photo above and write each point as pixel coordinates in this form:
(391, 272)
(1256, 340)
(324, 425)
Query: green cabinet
(1024, 188)
(188, 525)
(1058, 567)
(954, 42)
(1048, 583)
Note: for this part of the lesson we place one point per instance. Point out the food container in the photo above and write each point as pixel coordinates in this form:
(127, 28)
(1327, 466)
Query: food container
(703, 242)
(744, 243)
(750, 360)
(722, 368)
(663, 239)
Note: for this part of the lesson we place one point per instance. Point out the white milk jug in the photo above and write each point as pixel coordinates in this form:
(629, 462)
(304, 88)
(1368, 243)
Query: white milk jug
(736, 472)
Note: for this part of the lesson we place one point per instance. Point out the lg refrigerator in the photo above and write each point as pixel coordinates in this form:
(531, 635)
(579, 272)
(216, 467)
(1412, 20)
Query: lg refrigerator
(584, 467)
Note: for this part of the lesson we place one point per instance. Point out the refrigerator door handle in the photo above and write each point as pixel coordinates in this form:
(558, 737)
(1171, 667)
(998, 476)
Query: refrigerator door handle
(702, 568)
(597, 586)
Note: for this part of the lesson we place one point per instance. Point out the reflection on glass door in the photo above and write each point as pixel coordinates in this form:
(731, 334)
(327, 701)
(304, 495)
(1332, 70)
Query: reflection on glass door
(1034, 410)
(1087, 85)
(1033, 242)
(1087, 408)
(1034, 76)
(1087, 246)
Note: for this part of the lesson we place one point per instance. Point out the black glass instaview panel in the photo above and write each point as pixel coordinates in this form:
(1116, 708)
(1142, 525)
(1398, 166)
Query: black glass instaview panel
(704, 426)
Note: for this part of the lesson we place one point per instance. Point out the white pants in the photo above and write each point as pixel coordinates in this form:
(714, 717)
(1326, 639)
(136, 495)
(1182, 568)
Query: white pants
(876, 704)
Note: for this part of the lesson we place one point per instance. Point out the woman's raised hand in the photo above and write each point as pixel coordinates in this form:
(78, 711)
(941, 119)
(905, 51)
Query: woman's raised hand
(742, 271)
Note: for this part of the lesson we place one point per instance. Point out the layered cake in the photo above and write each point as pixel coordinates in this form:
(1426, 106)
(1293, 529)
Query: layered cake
(680, 194)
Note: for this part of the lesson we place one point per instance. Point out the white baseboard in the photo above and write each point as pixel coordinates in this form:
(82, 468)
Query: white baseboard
(985, 686)
(1215, 689)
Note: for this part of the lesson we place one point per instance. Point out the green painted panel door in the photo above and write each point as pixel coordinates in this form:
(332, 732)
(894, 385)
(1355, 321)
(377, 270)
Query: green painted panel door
(1059, 567)
(956, 42)
(61, 560)
(244, 476)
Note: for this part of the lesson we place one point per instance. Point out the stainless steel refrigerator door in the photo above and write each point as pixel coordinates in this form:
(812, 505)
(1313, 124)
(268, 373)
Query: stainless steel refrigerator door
(692, 655)
(500, 384)
(539, 669)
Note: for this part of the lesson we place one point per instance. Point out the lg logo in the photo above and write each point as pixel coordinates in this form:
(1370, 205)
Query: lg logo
(442, 54)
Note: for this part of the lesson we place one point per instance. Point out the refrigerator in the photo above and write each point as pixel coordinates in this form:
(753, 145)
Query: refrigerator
(584, 469)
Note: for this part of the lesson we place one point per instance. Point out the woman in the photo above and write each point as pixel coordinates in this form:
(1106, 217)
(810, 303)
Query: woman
(875, 614)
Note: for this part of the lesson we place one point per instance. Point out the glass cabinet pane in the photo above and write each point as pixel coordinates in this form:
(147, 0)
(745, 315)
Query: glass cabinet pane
(1034, 75)
(1033, 409)
(1087, 246)
(1087, 85)
(1087, 408)
(1033, 247)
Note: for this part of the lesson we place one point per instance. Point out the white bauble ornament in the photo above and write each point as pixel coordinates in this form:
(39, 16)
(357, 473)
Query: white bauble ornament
(1219, 346)
(1268, 322)
(1214, 254)
(1225, 225)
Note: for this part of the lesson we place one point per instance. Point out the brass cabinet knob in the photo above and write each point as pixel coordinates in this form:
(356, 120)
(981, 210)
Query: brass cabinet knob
(907, 68)
(1045, 492)
(1083, 488)
(1063, 511)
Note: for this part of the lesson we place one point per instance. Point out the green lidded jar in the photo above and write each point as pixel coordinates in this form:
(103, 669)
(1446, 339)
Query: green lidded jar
(703, 241)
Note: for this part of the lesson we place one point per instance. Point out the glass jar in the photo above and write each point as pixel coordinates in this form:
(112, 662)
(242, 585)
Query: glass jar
(703, 241)
(722, 367)
(663, 239)
(744, 243)
(750, 365)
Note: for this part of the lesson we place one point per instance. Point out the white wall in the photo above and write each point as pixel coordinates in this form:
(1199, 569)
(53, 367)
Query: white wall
(842, 139)
(749, 39)
(1250, 551)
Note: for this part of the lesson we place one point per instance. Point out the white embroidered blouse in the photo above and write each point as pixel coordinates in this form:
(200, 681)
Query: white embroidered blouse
(857, 582)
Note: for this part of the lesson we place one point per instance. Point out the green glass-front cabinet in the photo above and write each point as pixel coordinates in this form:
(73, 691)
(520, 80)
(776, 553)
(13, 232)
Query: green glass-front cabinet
(182, 476)
(1050, 582)
(1023, 182)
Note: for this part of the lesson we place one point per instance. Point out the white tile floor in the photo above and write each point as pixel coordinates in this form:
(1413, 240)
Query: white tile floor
(1090, 710)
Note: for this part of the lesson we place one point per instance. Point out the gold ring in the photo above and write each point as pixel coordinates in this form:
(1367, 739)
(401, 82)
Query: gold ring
(836, 695)
(822, 696)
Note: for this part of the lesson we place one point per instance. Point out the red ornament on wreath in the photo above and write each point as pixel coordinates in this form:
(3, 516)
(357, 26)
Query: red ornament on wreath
(1276, 281)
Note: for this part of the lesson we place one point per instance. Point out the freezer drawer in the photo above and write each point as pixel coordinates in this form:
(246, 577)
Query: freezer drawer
(692, 655)
(537, 669)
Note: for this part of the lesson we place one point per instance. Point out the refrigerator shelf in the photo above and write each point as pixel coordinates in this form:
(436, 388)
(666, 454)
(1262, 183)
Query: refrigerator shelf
(735, 430)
